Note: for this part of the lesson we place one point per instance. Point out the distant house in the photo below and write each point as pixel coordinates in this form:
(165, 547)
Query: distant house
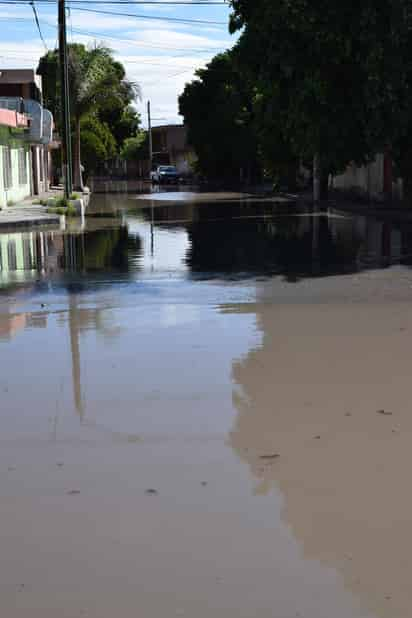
(21, 83)
(20, 94)
(170, 147)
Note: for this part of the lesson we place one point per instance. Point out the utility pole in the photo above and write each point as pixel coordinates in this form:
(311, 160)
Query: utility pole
(65, 103)
(149, 124)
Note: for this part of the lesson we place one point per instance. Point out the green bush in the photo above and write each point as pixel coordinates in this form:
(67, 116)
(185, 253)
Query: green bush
(62, 202)
(75, 196)
(68, 211)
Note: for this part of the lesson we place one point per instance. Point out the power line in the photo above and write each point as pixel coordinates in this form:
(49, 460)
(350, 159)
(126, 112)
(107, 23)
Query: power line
(38, 25)
(179, 20)
(138, 44)
(127, 2)
(109, 37)
(69, 14)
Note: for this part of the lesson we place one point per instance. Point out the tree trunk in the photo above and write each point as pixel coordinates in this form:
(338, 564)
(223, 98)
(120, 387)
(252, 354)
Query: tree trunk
(77, 171)
(316, 178)
(324, 185)
(405, 166)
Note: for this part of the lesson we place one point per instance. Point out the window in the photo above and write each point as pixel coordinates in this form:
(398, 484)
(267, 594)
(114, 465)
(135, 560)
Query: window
(7, 175)
(22, 167)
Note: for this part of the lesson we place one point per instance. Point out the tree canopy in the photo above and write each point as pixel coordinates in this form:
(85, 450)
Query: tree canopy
(218, 110)
(100, 93)
(306, 79)
(337, 75)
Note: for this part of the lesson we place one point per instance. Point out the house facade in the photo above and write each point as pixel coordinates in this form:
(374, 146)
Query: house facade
(170, 147)
(25, 126)
(15, 158)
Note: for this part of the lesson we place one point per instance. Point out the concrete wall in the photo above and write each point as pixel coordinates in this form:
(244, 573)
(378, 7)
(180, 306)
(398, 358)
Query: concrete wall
(183, 161)
(367, 180)
(17, 191)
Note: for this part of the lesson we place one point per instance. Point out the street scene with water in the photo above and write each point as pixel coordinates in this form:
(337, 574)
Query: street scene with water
(205, 406)
(205, 309)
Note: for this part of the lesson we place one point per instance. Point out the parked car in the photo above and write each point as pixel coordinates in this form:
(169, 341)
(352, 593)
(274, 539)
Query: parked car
(164, 174)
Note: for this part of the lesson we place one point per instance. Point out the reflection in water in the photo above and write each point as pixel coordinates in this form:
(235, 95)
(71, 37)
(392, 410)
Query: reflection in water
(254, 238)
(31, 256)
(228, 239)
(153, 371)
(291, 246)
(73, 318)
(309, 404)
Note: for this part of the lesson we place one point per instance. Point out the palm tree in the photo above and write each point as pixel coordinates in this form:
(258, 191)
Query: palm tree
(97, 82)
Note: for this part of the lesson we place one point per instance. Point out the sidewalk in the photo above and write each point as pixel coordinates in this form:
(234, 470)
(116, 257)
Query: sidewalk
(26, 215)
(30, 212)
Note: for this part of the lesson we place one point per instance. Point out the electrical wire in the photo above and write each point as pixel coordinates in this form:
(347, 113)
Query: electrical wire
(38, 24)
(138, 44)
(127, 2)
(179, 20)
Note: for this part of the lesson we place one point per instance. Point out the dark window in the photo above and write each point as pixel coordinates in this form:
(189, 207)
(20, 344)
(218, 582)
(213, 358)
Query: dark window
(7, 175)
(22, 167)
(11, 253)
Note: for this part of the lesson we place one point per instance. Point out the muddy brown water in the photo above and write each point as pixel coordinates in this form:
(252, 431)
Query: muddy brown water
(191, 409)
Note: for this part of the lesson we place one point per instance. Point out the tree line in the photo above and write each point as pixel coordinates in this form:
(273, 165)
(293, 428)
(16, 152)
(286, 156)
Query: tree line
(313, 82)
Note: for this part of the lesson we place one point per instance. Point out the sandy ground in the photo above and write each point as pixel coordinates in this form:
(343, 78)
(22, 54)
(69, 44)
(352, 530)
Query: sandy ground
(243, 455)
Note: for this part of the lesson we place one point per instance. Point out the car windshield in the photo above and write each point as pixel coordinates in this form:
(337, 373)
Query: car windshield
(167, 168)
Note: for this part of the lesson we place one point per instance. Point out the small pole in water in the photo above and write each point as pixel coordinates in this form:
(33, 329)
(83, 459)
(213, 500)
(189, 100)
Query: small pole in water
(149, 125)
(152, 234)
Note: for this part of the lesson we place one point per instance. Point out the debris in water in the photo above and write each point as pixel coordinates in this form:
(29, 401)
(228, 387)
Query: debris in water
(151, 492)
(11, 468)
(270, 457)
(73, 492)
(384, 413)
(204, 483)
(348, 414)
(60, 464)
(317, 437)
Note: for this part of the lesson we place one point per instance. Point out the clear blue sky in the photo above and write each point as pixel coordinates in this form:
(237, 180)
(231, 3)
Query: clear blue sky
(160, 55)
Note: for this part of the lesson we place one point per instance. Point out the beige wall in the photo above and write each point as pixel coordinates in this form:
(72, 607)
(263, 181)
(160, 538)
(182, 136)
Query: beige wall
(366, 179)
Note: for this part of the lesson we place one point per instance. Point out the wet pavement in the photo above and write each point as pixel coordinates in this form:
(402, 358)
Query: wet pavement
(204, 412)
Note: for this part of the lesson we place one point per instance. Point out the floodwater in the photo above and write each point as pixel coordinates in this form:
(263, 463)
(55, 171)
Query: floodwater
(205, 412)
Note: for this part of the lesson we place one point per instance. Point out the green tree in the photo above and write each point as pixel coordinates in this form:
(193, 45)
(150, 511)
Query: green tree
(98, 144)
(135, 148)
(218, 111)
(336, 74)
(124, 122)
(97, 83)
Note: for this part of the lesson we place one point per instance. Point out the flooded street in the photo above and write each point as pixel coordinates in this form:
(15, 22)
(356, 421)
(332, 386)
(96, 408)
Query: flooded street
(205, 412)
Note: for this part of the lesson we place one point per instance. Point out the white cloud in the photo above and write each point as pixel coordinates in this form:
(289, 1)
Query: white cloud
(161, 56)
